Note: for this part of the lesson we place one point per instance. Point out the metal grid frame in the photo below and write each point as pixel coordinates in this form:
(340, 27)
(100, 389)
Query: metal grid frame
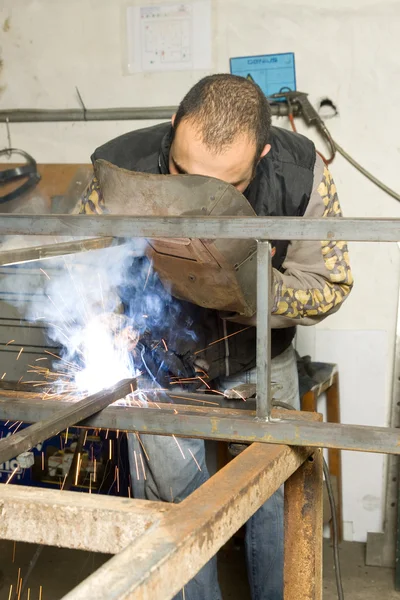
(183, 535)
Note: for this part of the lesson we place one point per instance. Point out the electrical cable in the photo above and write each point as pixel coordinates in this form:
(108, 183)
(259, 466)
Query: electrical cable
(332, 504)
(346, 155)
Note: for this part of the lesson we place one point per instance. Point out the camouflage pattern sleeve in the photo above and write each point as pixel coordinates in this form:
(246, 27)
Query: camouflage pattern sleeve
(316, 276)
(92, 202)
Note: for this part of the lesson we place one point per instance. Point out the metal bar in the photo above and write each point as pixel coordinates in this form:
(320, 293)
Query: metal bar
(29, 115)
(71, 520)
(69, 414)
(264, 279)
(273, 228)
(187, 538)
(24, 255)
(303, 531)
(224, 424)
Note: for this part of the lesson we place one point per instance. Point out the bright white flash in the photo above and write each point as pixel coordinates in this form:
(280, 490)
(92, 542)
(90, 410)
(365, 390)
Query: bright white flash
(106, 357)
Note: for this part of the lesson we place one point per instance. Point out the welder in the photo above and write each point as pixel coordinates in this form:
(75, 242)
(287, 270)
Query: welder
(222, 129)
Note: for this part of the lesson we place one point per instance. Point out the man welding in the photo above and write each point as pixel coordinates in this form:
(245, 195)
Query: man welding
(223, 129)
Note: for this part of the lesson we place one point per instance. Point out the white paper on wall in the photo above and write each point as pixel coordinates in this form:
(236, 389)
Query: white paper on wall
(169, 37)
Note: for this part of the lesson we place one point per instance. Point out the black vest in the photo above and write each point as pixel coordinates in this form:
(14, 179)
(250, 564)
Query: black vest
(282, 187)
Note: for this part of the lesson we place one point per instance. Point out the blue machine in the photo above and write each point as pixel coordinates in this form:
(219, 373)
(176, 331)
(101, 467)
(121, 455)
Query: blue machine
(271, 72)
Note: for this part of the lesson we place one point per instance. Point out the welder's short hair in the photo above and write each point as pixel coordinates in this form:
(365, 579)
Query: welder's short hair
(223, 107)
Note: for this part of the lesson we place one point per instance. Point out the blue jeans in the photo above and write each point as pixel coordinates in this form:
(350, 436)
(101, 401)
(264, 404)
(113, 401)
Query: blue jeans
(174, 468)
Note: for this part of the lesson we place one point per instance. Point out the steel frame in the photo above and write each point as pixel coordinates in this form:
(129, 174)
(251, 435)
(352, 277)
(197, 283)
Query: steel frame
(179, 543)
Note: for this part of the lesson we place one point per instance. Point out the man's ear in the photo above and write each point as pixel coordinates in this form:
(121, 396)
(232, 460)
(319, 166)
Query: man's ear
(173, 119)
(265, 151)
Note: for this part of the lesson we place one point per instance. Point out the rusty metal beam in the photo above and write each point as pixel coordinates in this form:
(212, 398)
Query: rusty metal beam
(219, 424)
(173, 551)
(67, 415)
(91, 522)
(303, 531)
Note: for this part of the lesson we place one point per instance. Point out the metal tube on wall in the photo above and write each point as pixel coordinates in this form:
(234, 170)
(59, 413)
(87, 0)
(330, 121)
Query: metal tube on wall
(264, 272)
(149, 113)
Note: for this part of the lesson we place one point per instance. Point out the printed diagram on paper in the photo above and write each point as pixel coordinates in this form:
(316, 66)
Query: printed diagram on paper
(166, 36)
(169, 37)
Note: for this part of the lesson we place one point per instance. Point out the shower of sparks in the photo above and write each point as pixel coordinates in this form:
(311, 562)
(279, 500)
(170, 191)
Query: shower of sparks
(19, 353)
(179, 446)
(222, 339)
(195, 460)
(44, 273)
(12, 474)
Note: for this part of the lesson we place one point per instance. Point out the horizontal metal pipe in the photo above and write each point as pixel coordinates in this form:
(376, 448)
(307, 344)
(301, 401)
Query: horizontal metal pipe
(273, 228)
(147, 113)
(294, 428)
(68, 414)
(33, 253)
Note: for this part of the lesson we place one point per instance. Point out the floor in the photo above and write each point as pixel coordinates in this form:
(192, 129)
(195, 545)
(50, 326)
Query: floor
(59, 570)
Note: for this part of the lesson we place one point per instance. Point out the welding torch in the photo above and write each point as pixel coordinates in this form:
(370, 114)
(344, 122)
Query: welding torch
(309, 114)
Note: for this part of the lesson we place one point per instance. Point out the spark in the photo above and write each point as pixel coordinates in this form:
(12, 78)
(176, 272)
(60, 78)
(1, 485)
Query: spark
(40, 592)
(205, 383)
(143, 448)
(86, 434)
(194, 458)
(117, 473)
(222, 339)
(29, 594)
(94, 470)
(20, 589)
(43, 358)
(16, 429)
(129, 491)
(107, 433)
(9, 595)
(133, 391)
(42, 461)
(44, 273)
(19, 353)
(90, 483)
(110, 449)
(165, 344)
(20, 379)
(240, 395)
(66, 435)
(78, 466)
(136, 463)
(18, 576)
(179, 446)
(148, 275)
(141, 460)
(6, 422)
(10, 342)
(117, 433)
(194, 399)
(4, 374)
(183, 593)
(14, 551)
(63, 483)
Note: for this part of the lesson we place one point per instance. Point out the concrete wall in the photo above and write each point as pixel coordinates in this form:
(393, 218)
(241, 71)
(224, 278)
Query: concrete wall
(347, 50)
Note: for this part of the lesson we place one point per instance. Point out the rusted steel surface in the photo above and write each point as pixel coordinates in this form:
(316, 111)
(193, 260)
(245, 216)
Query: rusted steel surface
(82, 521)
(303, 531)
(69, 414)
(221, 424)
(171, 553)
